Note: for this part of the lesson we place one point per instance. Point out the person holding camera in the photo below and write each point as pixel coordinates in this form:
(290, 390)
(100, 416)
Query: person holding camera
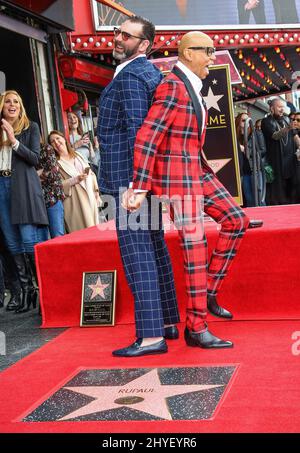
(79, 184)
(81, 142)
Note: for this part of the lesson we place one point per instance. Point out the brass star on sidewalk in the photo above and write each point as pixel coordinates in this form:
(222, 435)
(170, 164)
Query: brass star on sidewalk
(145, 394)
(98, 288)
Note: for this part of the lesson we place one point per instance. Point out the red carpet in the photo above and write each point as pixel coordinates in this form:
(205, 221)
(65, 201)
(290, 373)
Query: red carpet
(262, 290)
(263, 282)
(264, 395)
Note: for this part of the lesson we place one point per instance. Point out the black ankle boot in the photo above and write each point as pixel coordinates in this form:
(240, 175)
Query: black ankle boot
(25, 281)
(15, 295)
(215, 309)
(14, 302)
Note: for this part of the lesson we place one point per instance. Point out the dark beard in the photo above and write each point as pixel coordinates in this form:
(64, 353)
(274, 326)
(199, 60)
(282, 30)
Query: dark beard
(127, 54)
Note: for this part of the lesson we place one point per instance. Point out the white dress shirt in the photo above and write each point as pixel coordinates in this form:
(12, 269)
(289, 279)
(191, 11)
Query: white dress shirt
(197, 86)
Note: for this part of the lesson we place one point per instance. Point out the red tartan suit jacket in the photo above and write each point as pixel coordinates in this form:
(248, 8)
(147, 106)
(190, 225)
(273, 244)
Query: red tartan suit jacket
(167, 154)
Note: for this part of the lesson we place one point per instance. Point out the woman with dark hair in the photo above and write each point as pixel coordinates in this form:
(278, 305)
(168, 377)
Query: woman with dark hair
(80, 141)
(252, 172)
(79, 183)
(22, 207)
(245, 169)
(53, 190)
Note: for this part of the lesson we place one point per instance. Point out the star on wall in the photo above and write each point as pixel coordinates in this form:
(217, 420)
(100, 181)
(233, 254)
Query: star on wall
(215, 82)
(145, 394)
(218, 164)
(212, 100)
(98, 288)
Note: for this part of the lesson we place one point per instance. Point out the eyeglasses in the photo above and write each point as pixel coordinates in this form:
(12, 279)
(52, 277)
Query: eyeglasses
(125, 35)
(208, 50)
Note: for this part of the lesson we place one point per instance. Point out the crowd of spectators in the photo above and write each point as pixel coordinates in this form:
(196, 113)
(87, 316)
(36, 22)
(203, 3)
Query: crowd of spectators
(272, 173)
(46, 190)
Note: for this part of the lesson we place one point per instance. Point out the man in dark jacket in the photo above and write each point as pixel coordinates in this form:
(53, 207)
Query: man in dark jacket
(279, 136)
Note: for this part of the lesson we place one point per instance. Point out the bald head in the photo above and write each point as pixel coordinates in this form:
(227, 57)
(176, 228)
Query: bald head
(194, 39)
(197, 52)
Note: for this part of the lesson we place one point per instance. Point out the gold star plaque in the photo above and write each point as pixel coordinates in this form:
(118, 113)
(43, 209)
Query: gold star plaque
(98, 299)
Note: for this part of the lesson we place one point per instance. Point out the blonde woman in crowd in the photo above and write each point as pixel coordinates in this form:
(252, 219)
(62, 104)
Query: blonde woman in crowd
(22, 207)
(79, 183)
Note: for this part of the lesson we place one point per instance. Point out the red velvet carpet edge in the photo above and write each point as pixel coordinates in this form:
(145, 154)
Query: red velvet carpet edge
(264, 395)
(262, 284)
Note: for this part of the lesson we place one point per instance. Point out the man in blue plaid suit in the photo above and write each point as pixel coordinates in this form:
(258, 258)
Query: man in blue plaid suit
(123, 106)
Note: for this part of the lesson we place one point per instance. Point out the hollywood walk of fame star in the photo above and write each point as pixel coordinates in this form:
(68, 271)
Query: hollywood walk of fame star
(212, 100)
(98, 288)
(145, 394)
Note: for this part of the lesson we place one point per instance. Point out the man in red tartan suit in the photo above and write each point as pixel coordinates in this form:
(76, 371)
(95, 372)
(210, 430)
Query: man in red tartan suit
(169, 162)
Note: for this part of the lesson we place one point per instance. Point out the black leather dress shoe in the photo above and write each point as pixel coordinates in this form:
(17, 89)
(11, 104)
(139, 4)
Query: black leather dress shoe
(171, 333)
(205, 340)
(136, 350)
(215, 309)
(255, 223)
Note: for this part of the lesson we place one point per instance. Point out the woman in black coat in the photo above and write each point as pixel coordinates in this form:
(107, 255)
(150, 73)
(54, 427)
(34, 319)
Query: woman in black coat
(22, 207)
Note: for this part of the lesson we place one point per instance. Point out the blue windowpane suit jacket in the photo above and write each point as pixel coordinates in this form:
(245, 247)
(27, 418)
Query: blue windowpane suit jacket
(123, 106)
